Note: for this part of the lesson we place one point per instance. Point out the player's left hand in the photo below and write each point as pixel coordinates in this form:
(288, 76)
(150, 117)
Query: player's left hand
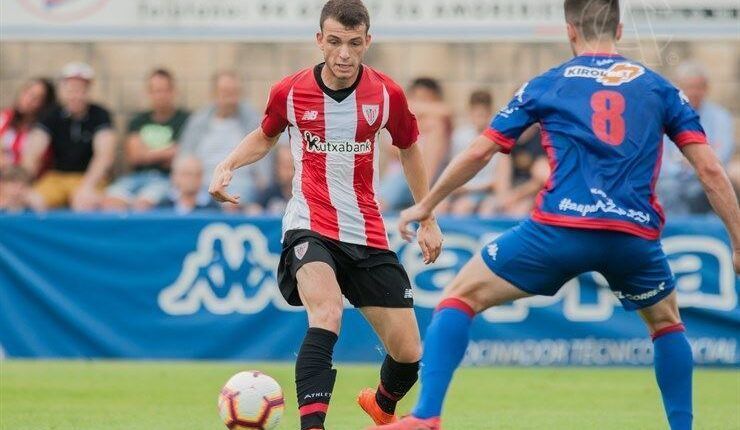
(430, 240)
(428, 235)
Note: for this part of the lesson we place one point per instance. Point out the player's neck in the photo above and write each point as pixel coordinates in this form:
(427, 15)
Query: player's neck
(334, 83)
(596, 47)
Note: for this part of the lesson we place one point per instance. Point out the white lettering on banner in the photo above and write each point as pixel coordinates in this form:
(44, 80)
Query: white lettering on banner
(232, 271)
(237, 278)
(590, 352)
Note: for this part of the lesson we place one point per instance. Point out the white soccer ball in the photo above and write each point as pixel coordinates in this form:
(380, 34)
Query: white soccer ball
(251, 401)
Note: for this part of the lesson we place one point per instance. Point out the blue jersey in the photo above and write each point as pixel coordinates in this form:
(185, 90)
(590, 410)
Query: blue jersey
(602, 118)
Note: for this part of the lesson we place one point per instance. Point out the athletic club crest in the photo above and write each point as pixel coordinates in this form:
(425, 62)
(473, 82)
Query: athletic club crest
(371, 113)
(300, 250)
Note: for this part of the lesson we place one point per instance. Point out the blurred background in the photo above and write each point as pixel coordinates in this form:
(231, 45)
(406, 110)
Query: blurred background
(156, 92)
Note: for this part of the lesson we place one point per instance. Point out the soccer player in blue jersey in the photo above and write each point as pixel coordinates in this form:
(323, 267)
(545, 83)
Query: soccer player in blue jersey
(603, 117)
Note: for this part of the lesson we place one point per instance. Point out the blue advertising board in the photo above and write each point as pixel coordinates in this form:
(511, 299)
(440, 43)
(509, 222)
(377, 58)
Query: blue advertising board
(156, 286)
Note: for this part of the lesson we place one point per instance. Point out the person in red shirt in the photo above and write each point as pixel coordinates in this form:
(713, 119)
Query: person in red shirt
(335, 242)
(35, 97)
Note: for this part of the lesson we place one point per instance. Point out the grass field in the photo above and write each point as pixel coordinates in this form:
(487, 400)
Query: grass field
(44, 395)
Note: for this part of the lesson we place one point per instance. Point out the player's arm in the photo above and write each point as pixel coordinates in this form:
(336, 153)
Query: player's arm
(462, 169)
(251, 149)
(255, 146)
(429, 234)
(719, 191)
(501, 136)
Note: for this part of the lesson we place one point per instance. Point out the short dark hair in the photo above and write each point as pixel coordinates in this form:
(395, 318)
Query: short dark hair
(163, 73)
(349, 13)
(593, 18)
(430, 84)
(481, 98)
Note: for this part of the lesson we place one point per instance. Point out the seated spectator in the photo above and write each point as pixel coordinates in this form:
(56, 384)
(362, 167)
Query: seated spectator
(36, 97)
(15, 190)
(679, 189)
(434, 116)
(212, 133)
(187, 194)
(274, 199)
(468, 198)
(82, 143)
(151, 146)
(519, 177)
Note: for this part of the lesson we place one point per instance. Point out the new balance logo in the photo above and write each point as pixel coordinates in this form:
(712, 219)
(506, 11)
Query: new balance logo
(310, 115)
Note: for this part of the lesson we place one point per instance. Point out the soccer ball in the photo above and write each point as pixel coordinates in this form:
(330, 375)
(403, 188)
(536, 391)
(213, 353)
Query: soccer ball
(251, 401)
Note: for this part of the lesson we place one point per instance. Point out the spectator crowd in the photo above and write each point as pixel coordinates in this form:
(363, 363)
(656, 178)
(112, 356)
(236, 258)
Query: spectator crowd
(58, 149)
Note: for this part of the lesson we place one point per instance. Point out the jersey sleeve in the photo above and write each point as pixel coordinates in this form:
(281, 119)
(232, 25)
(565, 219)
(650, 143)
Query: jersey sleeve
(517, 116)
(681, 121)
(276, 115)
(401, 124)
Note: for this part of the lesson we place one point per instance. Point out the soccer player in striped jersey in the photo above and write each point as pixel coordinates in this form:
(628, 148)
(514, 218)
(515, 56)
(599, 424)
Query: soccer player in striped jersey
(602, 117)
(334, 240)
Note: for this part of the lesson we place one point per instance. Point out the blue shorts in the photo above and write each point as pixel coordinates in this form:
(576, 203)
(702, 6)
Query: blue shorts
(539, 259)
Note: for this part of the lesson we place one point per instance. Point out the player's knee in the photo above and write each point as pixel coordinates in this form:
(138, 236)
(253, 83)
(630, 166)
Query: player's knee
(327, 316)
(407, 352)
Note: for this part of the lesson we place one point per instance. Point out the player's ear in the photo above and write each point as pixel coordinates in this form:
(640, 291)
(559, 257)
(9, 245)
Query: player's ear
(368, 40)
(320, 39)
(620, 27)
(572, 33)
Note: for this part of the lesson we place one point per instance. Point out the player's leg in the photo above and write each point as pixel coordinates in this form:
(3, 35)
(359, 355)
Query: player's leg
(399, 332)
(524, 256)
(322, 297)
(638, 272)
(673, 360)
(475, 289)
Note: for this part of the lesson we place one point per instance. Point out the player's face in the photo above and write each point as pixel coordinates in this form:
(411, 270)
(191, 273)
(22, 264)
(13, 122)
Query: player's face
(343, 48)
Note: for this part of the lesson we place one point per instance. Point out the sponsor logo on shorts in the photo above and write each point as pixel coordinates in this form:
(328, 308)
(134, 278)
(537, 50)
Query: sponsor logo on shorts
(614, 76)
(408, 293)
(314, 144)
(640, 297)
(300, 250)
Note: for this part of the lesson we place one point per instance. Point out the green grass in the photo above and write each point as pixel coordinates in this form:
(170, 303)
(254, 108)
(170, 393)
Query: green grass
(46, 395)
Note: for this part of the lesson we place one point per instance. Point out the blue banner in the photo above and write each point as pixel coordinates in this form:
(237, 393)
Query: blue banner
(158, 286)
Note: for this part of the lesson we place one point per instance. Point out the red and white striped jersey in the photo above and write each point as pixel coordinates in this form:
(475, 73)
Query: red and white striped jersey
(335, 152)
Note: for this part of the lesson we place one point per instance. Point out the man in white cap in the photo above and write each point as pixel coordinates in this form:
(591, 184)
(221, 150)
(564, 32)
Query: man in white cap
(82, 143)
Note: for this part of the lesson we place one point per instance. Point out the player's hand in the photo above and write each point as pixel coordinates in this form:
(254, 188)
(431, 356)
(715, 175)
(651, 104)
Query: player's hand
(430, 240)
(221, 180)
(413, 214)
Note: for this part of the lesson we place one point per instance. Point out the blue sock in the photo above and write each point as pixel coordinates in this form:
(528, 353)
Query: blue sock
(673, 368)
(444, 347)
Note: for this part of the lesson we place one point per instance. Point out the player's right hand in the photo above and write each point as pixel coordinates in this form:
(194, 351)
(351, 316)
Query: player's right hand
(221, 180)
